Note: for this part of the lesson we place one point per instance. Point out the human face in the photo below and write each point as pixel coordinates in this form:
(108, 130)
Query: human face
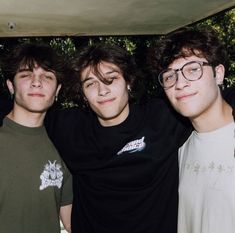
(195, 99)
(34, 90)
(108, 101)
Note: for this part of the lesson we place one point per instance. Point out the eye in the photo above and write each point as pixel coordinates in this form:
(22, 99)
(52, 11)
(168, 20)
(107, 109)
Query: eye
(110, 79)
(49, 76)
(168, 76)
(113, 77)
(192, 68)
(25, 75)
(89, 84)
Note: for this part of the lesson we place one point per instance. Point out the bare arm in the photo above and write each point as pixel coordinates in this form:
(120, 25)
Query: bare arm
(65, 216)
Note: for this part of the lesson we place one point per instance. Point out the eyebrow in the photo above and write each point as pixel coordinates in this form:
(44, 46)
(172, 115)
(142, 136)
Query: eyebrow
(23, 70)
(87, 79)
(31, 70)
(113, 71)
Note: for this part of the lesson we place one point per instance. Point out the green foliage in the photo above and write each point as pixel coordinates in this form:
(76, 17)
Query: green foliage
(124, 42)
(64, 46)
(224, 24)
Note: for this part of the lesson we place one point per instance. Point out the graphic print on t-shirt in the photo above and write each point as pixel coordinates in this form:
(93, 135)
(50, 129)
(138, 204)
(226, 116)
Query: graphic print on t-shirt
(51, 175)
(131, 147)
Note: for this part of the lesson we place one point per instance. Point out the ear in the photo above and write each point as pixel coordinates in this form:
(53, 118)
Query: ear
(10, 87)
(128, 87)
(84, 98)
(219, 74)
(58, 90)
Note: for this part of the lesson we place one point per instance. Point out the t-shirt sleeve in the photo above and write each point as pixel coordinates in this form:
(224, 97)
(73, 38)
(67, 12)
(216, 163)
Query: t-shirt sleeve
(172, 125)
(67, 189)
(5, 108)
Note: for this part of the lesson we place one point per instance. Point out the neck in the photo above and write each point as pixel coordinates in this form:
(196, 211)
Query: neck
(214, 118)
(116, 119)
(25, 118)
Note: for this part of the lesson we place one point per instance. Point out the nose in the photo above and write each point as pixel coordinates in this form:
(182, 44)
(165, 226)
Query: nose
(181, 81)
(103, 89)
(36, 81)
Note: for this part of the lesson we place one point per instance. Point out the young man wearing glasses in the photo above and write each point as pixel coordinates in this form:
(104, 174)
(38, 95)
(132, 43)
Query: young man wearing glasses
(192, 70)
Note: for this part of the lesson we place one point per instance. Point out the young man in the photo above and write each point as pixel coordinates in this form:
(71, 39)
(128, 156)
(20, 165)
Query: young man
(123, 156)
(35, 184)
(193, 68)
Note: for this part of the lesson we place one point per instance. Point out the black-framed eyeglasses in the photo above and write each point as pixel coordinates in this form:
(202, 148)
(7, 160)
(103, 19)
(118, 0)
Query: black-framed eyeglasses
(191, 71)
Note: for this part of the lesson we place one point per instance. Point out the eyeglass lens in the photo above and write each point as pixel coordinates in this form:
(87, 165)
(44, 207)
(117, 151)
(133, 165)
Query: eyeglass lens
(191, 71)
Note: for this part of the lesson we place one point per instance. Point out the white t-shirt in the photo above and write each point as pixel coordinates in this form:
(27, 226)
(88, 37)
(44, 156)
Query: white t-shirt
(207, 182)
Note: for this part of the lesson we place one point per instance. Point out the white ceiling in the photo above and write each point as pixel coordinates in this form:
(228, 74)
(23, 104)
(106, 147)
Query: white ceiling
(102, 17)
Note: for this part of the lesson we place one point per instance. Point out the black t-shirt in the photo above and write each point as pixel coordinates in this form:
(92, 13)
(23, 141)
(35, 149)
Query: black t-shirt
(125, 176)
(5, 107)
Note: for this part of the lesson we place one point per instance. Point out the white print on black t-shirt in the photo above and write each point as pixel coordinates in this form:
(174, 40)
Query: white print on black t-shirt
(136, 145)
(51, 175)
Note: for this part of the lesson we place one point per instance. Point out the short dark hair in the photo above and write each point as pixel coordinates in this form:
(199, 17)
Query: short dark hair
(92, 56)
(188, 41)
(30, 55)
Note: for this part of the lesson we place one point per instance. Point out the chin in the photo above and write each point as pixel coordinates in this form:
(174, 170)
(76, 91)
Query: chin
(38, 110)
(191, 116)
(182, 112)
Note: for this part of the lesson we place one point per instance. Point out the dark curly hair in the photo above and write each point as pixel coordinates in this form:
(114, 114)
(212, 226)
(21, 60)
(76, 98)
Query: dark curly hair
(185, 42)
(92, 56)
(29, 55)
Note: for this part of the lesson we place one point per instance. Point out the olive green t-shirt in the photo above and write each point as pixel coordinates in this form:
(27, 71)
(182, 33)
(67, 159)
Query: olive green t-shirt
(34, 181)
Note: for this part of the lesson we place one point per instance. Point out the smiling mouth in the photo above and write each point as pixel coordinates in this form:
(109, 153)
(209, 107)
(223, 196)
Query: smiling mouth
(184, 97)
(106, 101)
(36, 95)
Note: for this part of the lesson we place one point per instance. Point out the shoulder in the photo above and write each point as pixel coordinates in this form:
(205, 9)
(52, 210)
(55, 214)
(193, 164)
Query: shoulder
(5, 108)
(64, 113)
(65, 116)
(162, 109)
(164, 118)
(58, 122)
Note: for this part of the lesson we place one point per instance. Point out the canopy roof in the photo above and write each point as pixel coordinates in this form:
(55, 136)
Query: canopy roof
(102, 17)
